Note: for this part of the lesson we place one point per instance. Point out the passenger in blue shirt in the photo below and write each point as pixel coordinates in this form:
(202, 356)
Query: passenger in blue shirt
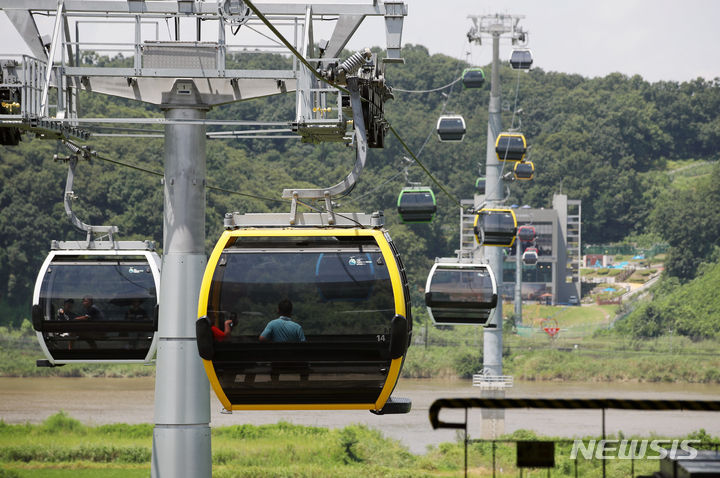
(283, 329)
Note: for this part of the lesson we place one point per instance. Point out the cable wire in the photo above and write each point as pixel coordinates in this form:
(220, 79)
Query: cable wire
(392, 178)
(212, 188)
(297, 54)
(292, 49)
(429, 91)
(427, 139)
(407, 148)
(322, 209)
(512, 126)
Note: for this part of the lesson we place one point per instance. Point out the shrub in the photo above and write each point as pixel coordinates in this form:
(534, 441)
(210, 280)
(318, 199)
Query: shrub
(61, 423)
(466, 364)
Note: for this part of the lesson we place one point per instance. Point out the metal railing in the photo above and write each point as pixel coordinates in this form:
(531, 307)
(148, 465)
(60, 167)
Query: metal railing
(559, 404)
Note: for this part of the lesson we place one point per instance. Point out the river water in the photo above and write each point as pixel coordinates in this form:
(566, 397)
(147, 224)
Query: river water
(97, 401)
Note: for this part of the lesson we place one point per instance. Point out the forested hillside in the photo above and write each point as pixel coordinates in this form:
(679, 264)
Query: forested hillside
(607, 141)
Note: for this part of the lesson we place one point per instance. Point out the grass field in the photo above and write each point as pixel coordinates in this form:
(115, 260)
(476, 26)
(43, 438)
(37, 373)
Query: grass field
(62, 447)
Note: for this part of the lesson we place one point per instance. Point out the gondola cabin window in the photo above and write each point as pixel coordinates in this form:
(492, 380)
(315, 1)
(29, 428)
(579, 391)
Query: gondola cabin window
(460, 293)
(97, 308)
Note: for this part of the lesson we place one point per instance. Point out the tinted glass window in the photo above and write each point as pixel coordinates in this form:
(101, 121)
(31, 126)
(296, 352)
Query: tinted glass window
(511, 143)
(116, 325)
(417, 199)
(334, 291)
(458, 285)
(452, 124)
(117, 288)
(499, 222)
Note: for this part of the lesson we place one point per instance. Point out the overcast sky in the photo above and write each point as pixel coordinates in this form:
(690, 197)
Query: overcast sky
(657, 39)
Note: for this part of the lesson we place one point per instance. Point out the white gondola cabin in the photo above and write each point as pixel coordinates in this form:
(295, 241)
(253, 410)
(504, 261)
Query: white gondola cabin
(451, 128)
(97, 306)
(460, 293)
(530, 256)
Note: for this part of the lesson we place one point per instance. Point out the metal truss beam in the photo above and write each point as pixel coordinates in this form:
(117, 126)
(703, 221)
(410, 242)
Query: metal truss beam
(193, 8)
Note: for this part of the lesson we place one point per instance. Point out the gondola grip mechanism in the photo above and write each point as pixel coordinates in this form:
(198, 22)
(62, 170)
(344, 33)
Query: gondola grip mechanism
(229, 221)
(377, 219)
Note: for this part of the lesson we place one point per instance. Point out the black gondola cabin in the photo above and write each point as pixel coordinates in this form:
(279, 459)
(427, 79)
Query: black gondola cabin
(510, 147)
(521, 59)
(97, 306)
(524, 171)
(473, 78)
(480, 185)
(349, 295)
(416, 205)
(495, 227)
(451, 128)
(460, 293)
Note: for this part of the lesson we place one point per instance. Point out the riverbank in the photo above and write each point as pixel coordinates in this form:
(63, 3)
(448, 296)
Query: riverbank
(105, 401)
(584, 350)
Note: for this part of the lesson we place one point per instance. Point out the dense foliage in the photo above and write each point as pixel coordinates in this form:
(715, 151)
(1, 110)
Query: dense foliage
(606, 141)
(687, 215)
(692, 310)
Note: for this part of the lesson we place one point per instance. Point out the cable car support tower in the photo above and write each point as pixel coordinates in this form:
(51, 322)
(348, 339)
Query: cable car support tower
(185, 79)
(494, 26)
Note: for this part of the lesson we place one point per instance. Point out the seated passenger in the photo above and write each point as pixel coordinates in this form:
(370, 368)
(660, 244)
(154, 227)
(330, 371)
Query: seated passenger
(283, 329)
(135, 312)
(66, 311)
(92, 312)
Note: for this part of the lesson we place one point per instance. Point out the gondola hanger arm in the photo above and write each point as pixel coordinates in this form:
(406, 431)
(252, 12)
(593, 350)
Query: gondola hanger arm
(361, 146)
(69, 196)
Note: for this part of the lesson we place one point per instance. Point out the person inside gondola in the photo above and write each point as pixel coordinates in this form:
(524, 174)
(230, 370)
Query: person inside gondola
(221, 335)
(135, 312)
(92, 312)
(66, 311)
(283, 329)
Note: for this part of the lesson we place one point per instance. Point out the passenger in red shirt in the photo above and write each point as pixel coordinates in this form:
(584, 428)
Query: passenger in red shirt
(221, 335)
